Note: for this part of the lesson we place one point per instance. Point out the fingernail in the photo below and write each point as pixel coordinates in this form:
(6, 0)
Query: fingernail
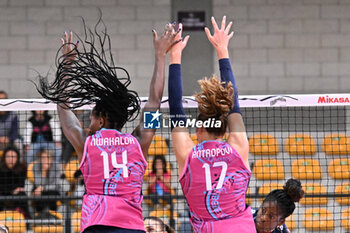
(78, 42)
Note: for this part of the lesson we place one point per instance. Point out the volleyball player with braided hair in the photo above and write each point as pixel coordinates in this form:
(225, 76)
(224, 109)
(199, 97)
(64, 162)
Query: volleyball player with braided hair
(112, 163)
(214, 175)
(277, 206)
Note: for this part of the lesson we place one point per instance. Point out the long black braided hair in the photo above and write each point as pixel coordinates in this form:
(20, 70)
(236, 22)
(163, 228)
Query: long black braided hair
(91, 78)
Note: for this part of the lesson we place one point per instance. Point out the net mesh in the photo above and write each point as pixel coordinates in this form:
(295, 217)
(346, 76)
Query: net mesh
(304, 137)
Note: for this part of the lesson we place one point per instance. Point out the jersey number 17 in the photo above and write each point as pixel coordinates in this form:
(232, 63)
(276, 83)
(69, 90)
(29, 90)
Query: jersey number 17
(208, 175)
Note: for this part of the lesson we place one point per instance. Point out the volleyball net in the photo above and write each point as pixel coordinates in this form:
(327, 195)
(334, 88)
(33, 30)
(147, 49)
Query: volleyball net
(306, 137)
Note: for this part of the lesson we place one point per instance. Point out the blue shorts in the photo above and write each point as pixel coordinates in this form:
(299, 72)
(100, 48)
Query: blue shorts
(109, 229)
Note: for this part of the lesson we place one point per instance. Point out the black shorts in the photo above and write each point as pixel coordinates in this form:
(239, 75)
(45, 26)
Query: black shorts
(109, 229)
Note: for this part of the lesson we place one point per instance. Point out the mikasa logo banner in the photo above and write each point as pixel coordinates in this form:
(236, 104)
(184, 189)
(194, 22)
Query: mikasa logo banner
(326, 99)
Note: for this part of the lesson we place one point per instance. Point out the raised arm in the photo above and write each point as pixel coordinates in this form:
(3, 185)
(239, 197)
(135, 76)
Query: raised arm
(162, 45)
(182, 143)
(237, 132)
(69, 122)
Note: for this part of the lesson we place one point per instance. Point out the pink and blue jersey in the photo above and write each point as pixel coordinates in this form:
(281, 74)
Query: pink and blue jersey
(113, 166)
(214, 181)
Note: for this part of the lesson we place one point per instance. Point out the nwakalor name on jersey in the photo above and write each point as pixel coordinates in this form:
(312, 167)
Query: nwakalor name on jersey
(115, 141)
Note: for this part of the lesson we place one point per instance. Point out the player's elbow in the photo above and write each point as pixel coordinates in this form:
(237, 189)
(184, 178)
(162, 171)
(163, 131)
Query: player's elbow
(155, 98)
(153, 104)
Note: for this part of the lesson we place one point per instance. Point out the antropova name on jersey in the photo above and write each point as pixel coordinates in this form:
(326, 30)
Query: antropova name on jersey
(211, 152)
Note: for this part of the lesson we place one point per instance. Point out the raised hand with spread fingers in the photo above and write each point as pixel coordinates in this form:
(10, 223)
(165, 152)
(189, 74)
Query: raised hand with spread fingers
(69, 48)
(221, 37)
(176, 50)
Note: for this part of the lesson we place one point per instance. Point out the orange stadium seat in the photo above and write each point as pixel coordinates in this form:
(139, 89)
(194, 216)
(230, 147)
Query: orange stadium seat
(148, 168)
(70, 168)
(248, 200)
(300, 144)
(263, 144)
(336, 144)
(345, 219)
(225, 137)
(339, 168)
(267, 188)
(165, 215)
(318, 219)
(291, 223)
(14, 220)
(343, 189)
(314, 188)
(76, 221)
(50, 228)
(306, 169)
(158, 146)
(30, 173)
(268, 169)
(194, 138)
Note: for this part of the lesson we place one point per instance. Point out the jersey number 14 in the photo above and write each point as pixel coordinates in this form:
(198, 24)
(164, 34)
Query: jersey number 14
(104, 154)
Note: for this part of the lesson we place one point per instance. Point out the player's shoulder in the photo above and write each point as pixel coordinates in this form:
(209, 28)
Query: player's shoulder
(284, 228)
(254, 212)
(281, 229)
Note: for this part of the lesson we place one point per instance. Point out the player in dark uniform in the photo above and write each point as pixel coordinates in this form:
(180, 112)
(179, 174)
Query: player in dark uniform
(277, 206)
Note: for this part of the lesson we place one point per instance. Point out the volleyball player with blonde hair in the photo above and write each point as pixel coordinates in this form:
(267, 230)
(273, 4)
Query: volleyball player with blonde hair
(112, 162)
(214, 175)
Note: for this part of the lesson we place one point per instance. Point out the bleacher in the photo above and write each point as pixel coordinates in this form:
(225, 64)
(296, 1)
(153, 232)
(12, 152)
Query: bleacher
(321, 164)
(305, 157)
